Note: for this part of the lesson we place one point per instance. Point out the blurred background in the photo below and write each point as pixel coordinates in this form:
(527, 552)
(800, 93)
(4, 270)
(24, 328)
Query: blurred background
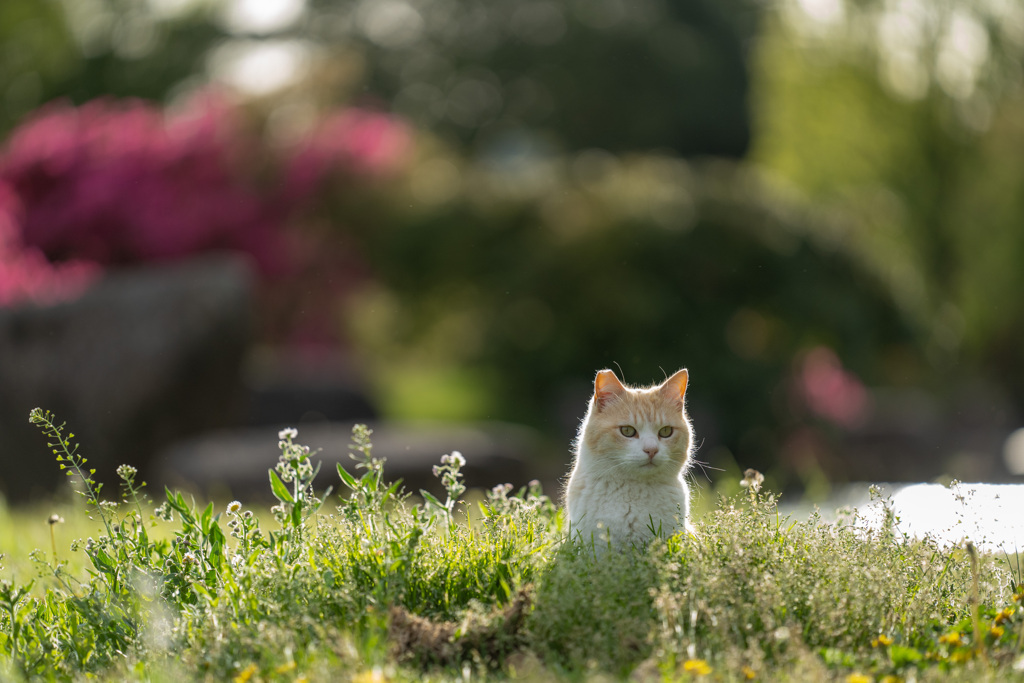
(441, 217)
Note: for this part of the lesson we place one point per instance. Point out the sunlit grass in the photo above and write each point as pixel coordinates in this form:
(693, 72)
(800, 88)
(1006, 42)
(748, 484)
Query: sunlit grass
(24, 530)
(377, 586)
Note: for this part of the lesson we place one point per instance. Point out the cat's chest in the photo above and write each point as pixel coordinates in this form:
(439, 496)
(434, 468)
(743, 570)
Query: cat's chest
(625, 508)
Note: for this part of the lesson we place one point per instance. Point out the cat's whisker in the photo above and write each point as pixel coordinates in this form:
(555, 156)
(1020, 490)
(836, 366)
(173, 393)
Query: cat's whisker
(704, 467)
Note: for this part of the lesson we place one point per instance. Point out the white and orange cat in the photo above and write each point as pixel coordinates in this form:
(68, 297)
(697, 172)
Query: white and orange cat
(632, 451)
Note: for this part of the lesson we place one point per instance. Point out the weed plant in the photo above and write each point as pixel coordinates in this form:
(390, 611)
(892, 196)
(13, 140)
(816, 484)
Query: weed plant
(377, 585)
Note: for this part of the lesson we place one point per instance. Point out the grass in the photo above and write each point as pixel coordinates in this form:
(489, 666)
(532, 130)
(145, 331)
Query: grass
(377, 586)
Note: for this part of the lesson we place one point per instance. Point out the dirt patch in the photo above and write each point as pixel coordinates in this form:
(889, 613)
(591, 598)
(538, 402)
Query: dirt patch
(491, 635)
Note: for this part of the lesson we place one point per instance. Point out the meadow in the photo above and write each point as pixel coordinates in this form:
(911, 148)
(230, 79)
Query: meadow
(371, 583)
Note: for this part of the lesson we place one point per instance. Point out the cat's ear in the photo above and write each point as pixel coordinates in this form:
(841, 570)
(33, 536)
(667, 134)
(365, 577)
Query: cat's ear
(675, 386)
(607, 388)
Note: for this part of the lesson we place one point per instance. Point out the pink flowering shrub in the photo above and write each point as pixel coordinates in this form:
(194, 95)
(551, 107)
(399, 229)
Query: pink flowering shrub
(354, 141)
(25, 274)
(116, 182)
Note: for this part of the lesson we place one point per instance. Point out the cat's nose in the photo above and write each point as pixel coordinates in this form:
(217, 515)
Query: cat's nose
(651, 451)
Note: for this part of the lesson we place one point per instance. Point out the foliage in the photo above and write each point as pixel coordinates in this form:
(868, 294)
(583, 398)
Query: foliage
(502, 79)
(907, 122)
(896, 123)
(38, 49)
(389, 588)
(530, 277)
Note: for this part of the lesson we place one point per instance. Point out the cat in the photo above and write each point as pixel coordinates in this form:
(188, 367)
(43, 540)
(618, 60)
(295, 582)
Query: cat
(631, 454)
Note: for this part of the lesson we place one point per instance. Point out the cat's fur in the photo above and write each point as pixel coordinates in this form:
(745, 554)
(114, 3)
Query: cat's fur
(624, 485)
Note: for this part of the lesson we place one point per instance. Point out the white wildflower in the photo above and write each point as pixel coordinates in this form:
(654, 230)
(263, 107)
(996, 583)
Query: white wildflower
(752, 479)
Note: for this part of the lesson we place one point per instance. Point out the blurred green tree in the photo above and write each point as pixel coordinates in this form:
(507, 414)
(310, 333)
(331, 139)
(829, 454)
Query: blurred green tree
(905, 117)
(644, 74)
(36, 49)
(531, 282)
(81, 50)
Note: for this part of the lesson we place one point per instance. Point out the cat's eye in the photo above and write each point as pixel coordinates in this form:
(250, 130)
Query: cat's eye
(628, 431)
(665, 432)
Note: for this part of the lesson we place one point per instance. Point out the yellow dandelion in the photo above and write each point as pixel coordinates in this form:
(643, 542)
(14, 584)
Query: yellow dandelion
(696, 666)
(1005, 614)
(882, 639)
(961, 656)
(285, 668)
(951, 639)
(891, 679)
(1019, 596)
(246, 673)
(858, 678)
(374, 675)
(997, 631)
(748, 673)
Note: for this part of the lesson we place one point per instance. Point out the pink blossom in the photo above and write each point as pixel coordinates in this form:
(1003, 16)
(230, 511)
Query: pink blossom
(25, 274)
(357, 141)
(830, 391)
(118, 182)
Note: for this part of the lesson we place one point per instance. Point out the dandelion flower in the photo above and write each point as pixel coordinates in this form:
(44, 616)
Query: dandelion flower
(245, 674)
(1005, 614)
(882, 639)
(951, 638)
(858, 678)
(696, 666)
(748, 673)
(374, 675)
(997, 631)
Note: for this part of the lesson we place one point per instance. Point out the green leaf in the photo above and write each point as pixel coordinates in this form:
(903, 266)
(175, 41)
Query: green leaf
(280, 490)
(390, 491)
(432, 499)
(103, 562)
(902, 655)
(347, 478)
(204, 521)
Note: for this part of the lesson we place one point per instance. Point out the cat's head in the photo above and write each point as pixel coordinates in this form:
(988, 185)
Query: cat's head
(639, 430)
